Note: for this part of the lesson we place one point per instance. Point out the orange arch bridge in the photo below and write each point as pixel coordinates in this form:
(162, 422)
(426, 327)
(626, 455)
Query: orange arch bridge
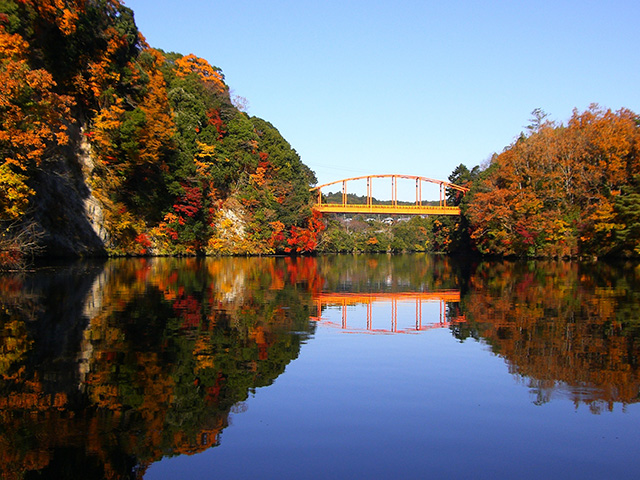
(346, 299)
(394, 207)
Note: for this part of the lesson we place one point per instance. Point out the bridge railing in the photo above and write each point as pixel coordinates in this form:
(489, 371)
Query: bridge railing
(387, 209)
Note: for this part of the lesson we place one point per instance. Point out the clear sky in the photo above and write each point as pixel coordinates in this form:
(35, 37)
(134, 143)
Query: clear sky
(407, 87)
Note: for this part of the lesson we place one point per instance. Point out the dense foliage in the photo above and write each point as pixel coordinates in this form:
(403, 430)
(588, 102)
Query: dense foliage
(112, 146)
(174, 166)
(562, 190)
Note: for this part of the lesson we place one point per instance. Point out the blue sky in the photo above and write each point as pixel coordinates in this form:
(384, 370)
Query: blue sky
(407, 87)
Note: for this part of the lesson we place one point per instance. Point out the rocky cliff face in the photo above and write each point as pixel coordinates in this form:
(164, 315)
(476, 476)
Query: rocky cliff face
(67, 218)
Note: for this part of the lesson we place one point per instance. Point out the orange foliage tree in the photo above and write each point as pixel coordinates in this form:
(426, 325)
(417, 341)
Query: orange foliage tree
(132, 146)
(32, 120)
(33, 123)
(553, 192)
(211, 76)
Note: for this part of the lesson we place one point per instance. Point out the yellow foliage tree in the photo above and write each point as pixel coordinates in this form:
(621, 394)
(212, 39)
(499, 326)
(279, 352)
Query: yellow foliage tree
(159, 130)
(32, 124)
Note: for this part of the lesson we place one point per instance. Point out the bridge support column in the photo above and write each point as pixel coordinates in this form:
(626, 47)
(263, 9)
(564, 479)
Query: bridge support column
(344, 192)
(344, 314)
(443, 195)
(393, 197)
(394, 315)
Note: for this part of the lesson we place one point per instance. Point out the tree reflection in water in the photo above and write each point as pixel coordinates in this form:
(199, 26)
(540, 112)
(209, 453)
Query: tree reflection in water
(108, 367)
(564, 328)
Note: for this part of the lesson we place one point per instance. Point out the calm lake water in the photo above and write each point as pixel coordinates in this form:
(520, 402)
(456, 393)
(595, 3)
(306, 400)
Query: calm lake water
(334, 367)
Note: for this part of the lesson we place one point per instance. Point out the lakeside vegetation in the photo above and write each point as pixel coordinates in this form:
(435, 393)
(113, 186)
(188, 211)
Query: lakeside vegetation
(131, 149)
(110, 146)
(562, 190)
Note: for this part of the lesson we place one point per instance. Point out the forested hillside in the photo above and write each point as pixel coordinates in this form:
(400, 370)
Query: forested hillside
(111, 146)
(562, 190)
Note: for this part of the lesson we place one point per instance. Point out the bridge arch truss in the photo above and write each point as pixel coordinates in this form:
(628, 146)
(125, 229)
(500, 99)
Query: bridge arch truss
(394, 208)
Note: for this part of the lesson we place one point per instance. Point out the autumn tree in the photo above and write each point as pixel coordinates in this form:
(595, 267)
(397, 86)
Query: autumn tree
(209, 75)
(166, 155)
(553, 192)
(32, 120)
(33, 123)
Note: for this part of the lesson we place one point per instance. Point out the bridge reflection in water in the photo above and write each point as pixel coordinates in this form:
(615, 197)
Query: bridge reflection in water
(344, 300)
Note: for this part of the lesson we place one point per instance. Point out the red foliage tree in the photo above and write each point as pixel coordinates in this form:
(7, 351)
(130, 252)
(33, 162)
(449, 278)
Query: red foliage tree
(304, 240)
(190, 203)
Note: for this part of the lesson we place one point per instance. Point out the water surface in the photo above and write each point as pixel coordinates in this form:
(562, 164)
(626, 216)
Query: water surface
(332, 367)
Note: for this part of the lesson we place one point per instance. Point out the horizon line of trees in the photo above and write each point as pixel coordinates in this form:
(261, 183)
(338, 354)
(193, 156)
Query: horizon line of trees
(175, 166)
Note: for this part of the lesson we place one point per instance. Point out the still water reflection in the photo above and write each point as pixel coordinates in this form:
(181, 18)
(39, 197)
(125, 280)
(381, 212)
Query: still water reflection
(415, 366)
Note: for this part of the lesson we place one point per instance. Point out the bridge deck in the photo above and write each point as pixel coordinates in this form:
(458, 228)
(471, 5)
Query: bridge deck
(387, 209)
(361, 298)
